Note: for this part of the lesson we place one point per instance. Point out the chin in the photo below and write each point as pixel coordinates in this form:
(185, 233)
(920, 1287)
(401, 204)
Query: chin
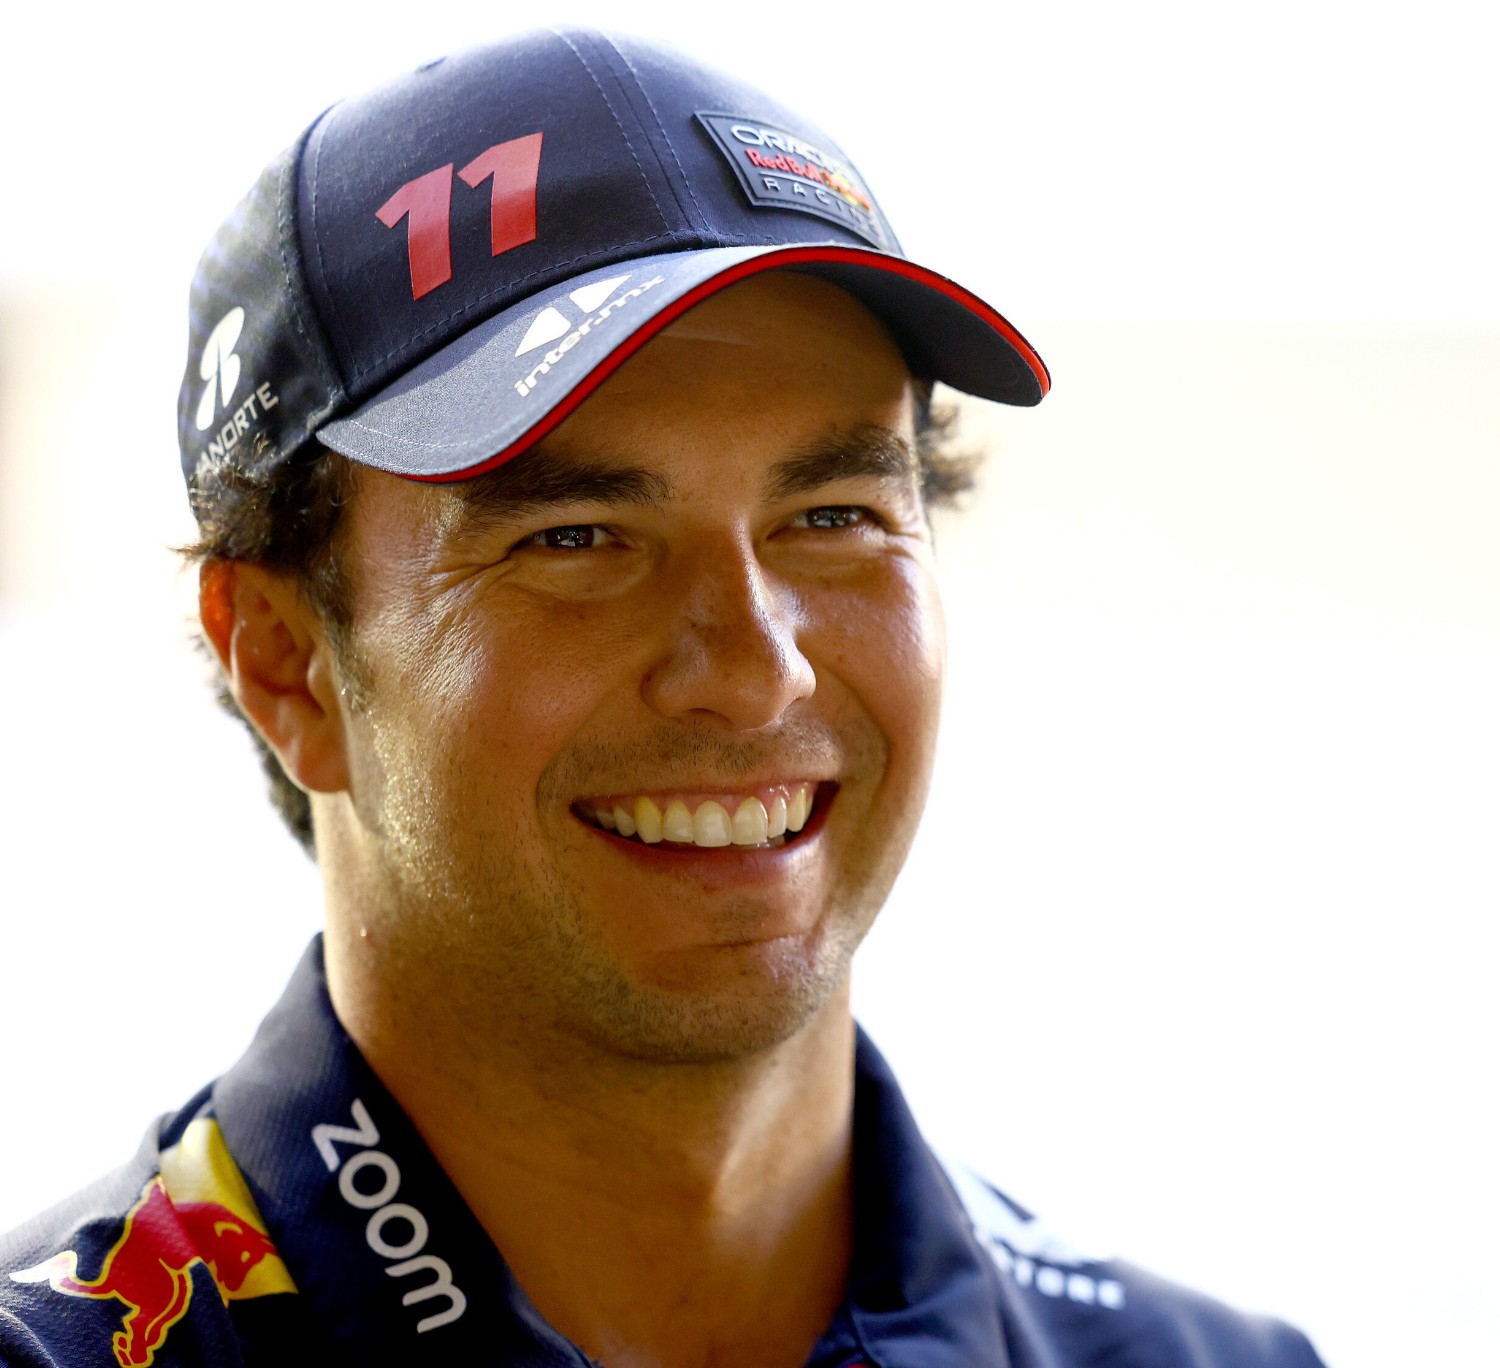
(761, 995)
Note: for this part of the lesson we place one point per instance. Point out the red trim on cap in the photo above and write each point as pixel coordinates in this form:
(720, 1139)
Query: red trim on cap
(790, 256)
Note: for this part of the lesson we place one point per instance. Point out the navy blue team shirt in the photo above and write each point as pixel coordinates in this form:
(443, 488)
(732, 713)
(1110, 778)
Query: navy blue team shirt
(291, 1214)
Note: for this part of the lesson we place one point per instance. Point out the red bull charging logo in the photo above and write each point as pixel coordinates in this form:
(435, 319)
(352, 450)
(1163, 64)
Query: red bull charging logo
(198, 1210)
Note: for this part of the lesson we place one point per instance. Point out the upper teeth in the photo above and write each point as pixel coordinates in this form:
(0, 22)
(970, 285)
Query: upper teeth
(752, 819)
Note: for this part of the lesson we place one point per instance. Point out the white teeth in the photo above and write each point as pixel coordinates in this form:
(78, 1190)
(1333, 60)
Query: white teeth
(677, 822)
(711, 825)
(647, 821)
(750, 827)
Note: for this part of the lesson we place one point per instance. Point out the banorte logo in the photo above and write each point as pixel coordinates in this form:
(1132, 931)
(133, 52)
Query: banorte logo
(197, 1210)
(219, 366)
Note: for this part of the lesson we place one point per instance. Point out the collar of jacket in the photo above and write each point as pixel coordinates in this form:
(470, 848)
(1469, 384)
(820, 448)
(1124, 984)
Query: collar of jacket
(385, 1253)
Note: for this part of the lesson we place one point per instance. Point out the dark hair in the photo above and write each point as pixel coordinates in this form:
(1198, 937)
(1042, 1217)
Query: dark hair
(289, 518)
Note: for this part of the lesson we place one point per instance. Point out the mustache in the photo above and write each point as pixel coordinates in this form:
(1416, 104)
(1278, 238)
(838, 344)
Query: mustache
(672, 755)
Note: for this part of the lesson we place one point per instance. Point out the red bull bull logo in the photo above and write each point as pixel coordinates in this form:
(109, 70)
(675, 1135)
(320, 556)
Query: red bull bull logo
(198, 1210)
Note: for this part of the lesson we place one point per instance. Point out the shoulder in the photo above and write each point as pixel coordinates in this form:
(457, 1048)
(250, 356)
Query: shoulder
(1066, 1305)
(40, 1324)
(154, 1252)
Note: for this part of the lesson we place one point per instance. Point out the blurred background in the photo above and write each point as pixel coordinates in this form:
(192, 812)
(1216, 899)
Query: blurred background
(1195, 954)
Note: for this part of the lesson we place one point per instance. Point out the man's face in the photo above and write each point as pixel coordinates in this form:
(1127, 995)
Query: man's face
(712, 584)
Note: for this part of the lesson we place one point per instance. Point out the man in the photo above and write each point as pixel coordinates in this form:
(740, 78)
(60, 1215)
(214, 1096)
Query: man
(556, 419)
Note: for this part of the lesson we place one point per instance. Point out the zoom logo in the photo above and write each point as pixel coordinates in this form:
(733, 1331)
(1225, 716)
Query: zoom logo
(369, 1180)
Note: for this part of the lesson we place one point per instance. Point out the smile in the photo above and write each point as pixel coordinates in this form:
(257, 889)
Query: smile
(765, 817)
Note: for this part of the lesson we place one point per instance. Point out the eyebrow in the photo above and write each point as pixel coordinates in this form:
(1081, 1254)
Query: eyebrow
(544, 479)
(870, 450)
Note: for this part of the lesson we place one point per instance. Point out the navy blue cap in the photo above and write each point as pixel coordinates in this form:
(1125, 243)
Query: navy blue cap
(436, 274)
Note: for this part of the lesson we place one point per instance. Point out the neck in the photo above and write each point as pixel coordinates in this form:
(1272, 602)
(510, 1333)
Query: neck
(674, 1215)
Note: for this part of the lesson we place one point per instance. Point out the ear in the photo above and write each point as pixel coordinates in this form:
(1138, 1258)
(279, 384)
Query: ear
(279, 667)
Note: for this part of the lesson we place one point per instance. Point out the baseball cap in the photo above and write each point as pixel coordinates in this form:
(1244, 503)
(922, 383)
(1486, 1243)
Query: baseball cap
(437, 273)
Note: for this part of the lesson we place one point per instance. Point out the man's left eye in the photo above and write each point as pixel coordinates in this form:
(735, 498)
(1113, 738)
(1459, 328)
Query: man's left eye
(574, 537)
(834, 516)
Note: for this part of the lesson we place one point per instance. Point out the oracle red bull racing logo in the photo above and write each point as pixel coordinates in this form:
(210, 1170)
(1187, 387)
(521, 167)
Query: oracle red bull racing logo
(198, 1210)
(779, 169)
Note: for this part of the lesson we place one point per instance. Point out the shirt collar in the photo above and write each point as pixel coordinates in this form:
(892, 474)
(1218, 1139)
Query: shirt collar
(921, 1291)
(385, 1252)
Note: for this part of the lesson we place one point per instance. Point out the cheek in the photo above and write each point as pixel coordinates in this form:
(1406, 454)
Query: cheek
(886, 643)
(484, 701)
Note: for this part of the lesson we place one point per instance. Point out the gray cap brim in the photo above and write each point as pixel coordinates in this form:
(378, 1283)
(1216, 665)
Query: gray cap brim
(514, 377)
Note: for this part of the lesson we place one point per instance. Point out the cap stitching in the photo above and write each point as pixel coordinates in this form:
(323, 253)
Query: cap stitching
(288, 175)
(483, 299)
(344, 339)
(733, 239)
(655, 114)
(629, 146)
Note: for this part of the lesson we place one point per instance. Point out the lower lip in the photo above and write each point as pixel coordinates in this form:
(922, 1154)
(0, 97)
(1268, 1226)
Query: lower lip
(723, 866)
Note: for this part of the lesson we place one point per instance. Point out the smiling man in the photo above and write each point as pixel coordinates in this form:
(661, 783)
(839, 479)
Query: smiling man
(557, 422)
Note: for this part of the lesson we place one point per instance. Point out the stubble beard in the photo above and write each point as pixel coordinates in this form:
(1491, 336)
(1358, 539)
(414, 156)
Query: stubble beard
(752, 1003)
(508, 950)
(528, 964)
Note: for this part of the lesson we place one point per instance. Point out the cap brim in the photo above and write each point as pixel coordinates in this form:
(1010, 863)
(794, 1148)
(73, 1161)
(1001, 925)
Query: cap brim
(514, 377)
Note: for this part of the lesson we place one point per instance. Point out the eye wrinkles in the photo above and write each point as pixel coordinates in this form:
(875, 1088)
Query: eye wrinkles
(540, 479)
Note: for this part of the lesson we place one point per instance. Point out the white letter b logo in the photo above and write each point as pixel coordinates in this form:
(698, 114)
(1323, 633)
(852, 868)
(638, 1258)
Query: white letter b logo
(220, 363)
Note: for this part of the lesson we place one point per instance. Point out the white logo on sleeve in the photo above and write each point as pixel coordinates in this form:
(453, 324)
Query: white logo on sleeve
(1033, 1255)
(219, 366)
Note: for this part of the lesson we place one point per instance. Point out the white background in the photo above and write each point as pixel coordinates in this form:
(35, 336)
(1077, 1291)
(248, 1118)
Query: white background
(1196, 951)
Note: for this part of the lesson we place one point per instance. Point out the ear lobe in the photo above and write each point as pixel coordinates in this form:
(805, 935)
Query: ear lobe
(279, 668)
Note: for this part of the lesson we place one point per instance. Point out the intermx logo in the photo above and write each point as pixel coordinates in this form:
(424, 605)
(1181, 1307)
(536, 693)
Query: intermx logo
(219, 366)
(553, 324)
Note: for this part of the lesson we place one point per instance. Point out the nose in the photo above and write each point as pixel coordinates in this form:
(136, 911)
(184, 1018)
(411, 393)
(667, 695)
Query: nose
(730, 649)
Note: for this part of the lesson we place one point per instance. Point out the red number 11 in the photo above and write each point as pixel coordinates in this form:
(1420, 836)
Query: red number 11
(426, 204)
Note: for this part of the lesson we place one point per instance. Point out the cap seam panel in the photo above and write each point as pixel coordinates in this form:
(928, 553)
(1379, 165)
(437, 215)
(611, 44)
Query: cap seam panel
(288, 189)
(661, 128)
(343, 336)
(630, 147)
